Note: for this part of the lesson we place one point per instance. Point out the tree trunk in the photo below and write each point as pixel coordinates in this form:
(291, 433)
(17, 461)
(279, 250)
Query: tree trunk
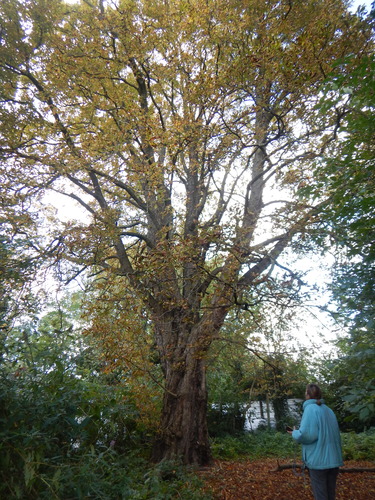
(268, 411)
(183, 339)
(184, 433)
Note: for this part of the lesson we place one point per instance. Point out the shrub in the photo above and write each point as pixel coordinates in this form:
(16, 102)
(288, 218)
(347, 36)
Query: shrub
(267, 443)
(359, 446)
(223, 421)
(64, 437)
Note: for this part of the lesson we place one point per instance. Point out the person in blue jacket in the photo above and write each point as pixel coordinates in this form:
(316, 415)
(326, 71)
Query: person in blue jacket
(320, 437)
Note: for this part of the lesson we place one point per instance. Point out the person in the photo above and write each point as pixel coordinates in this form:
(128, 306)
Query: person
(320, 437)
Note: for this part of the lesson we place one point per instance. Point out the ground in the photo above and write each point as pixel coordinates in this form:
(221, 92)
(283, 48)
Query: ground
(255, 480)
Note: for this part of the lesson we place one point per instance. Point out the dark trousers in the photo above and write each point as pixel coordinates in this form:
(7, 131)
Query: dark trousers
(323, 483)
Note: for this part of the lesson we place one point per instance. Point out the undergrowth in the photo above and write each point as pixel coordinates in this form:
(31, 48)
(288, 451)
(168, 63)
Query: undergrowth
(253, 445)
(281, 445)
(104, 475)
(359, 446)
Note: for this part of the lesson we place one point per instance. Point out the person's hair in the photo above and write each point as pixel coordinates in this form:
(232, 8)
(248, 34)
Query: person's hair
(314, 392)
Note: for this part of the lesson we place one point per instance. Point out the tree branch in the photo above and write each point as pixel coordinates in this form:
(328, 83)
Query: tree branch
(342, 470)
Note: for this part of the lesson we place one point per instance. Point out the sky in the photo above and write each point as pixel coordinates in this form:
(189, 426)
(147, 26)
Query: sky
(356, 3)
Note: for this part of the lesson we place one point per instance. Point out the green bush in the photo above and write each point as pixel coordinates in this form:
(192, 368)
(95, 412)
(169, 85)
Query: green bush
(359, 446)
(222, 422)
(52, 433)
(108, 475)
(261, 444)
(77, 441)
(66, 433)
(254, 445)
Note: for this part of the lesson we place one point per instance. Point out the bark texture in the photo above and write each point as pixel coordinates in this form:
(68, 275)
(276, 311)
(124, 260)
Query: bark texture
(184, 433)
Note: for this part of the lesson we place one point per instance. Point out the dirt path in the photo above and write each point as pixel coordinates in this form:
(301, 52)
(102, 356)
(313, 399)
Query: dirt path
(252, 480)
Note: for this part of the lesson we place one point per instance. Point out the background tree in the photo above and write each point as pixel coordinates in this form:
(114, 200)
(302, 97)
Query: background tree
(349, 175)
(257, 358)
(354, 279)
(18, 266)
(173, 125)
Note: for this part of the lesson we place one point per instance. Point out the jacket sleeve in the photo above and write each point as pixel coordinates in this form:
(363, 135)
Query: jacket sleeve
(308, 431)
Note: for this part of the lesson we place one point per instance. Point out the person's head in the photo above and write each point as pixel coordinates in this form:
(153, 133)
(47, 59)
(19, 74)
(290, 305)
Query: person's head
(313, 391)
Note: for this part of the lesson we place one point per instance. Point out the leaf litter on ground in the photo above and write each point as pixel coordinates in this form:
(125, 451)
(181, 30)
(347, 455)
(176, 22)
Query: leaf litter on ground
(257, 480)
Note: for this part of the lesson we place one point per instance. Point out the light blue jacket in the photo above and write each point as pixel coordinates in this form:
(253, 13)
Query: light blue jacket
(320, 436)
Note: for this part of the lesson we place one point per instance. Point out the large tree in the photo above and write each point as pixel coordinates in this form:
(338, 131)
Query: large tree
(183, 129)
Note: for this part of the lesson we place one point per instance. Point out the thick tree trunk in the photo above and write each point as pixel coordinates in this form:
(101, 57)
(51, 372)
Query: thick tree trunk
(184, 434)
(183, 339)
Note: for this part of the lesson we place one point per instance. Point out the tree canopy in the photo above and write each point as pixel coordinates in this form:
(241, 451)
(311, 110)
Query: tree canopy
(184, 131)
(349, 174)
